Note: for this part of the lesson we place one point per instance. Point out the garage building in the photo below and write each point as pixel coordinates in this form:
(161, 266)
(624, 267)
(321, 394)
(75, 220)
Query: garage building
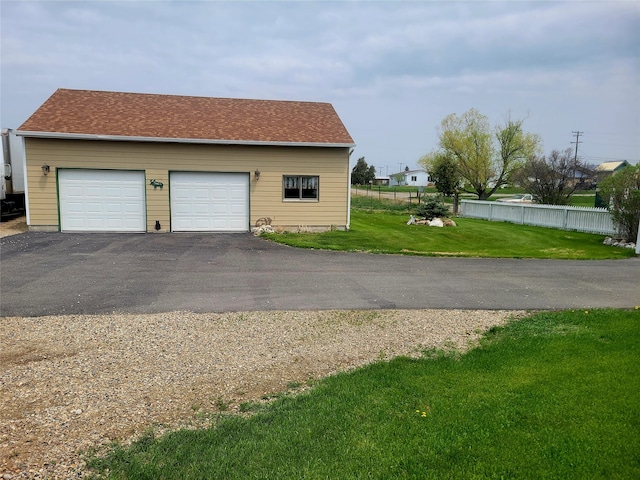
(129, 162)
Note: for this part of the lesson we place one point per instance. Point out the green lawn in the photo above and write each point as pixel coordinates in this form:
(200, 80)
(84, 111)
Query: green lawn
(384, 231)
(584, 200)
(554, 395)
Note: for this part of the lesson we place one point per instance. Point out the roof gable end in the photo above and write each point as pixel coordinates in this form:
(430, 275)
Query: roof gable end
(611, 166)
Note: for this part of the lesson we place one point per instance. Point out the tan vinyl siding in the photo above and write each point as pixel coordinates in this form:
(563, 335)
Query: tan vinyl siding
(331, 165)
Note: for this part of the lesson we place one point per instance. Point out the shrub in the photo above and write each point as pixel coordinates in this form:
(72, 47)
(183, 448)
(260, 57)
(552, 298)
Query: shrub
(433, 207)
(622, 192)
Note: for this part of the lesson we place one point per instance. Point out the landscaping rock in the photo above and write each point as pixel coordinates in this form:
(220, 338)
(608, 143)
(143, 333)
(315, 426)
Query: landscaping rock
(610, 241)
(436, 222)
(262, 229)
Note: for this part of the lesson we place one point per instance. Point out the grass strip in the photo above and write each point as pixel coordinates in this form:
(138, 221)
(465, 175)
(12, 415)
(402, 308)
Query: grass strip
(550, 396)
(385, 231)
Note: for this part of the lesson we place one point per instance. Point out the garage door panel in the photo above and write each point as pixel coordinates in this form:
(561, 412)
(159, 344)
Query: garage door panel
(201, 223)
(220, 194)
(202, 201)
(179, 211)
(75, 224)
(75, 191)
(102, 200)
(220, 210)
(114, 192)
(237, 224)
(133, 209)
(90, 208)
(179, 192)
(74, 207)
(237, 209)
(114, 208)
(200, 193)
(200, 209)
(130, 191)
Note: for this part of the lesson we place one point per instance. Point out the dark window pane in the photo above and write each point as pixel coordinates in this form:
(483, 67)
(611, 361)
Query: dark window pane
(300, 187)
(309, 193)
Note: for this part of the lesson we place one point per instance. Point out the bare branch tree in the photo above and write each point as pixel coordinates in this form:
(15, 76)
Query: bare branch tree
(551, 179)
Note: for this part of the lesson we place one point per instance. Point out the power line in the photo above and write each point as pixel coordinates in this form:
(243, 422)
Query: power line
(595, 157)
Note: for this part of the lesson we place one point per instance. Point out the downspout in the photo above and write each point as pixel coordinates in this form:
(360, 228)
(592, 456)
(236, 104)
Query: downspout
(27, 209)
(349, 190)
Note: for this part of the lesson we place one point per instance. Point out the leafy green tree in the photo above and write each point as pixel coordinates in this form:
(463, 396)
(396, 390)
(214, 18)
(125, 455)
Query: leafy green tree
(443, 171)
(371, 174)
(398, 178)
(622, 192)
(362, 173)
(551, 179)
(486, 159)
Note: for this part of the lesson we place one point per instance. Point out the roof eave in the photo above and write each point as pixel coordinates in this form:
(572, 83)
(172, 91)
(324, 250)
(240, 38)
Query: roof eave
(124, 138)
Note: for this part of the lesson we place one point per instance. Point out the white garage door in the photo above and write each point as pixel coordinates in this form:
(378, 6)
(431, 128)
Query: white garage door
(101, 201)
(206, 202)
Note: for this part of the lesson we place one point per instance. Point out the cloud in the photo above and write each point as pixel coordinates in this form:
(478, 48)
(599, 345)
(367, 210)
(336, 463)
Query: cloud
(387, 66)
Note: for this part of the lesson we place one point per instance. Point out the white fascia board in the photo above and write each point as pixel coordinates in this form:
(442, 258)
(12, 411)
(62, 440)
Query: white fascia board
(122, 138)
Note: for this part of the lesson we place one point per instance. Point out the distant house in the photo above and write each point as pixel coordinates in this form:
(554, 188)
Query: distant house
(606, 169)
(584, 178)
(382, 180)
(414, 178)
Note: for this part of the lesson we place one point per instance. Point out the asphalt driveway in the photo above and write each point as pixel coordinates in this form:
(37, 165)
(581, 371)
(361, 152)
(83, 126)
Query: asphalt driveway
(55, 273)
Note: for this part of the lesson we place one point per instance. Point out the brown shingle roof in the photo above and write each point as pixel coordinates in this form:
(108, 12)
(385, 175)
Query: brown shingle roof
(92, 113)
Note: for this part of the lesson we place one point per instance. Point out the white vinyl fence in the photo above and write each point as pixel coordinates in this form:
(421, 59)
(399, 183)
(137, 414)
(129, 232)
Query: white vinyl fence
(581, 219)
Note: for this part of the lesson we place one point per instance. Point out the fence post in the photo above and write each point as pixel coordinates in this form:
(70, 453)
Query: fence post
(638, 241)
(565, 218)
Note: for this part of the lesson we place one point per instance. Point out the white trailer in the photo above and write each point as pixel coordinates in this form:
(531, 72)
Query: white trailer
(12, 171)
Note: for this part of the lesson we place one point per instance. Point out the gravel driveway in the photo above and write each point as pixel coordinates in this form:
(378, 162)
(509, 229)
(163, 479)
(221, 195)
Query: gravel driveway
(69, 383)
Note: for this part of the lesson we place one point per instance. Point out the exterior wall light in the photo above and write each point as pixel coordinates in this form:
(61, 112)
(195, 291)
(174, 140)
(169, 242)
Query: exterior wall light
(257, 174)
(46, 169)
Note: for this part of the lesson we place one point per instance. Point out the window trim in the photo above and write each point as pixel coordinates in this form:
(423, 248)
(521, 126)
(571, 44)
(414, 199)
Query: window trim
(300, 198)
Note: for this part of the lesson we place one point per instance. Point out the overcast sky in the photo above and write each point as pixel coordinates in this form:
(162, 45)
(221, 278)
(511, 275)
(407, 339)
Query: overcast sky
(392, 70)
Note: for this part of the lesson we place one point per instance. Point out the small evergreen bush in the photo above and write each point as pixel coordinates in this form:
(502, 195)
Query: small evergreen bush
(433, 207)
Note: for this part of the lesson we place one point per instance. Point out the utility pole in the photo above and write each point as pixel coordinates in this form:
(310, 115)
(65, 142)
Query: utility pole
(575, 157)
(577, 135)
